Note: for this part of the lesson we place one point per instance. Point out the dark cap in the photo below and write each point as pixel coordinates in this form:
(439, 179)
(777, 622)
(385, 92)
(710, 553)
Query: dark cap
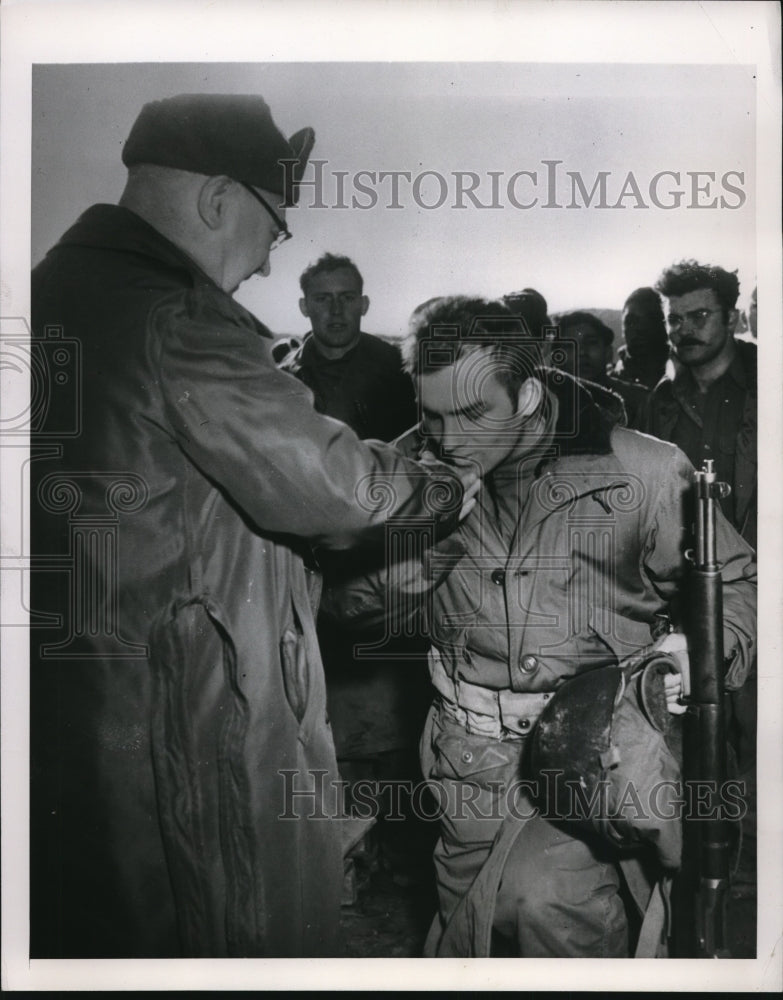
(531, 306)
(213, 134)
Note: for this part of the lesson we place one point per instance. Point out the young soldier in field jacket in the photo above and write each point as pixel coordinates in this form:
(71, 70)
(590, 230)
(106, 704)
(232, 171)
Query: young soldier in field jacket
(575, 549)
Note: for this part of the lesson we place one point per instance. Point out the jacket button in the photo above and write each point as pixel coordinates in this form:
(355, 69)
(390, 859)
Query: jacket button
(467, 757)
(529, 664)
(498, 576)
(523, 723)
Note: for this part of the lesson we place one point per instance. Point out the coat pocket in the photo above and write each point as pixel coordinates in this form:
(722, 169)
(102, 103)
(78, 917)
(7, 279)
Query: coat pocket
(293, 661)
(199, 732)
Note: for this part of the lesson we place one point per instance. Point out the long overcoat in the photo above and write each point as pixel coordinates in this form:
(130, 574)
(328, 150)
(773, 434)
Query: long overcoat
(183, 769)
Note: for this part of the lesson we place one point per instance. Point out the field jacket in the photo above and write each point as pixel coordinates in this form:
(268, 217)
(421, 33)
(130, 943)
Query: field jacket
(570, 561)
(592, 559)
(668, 404)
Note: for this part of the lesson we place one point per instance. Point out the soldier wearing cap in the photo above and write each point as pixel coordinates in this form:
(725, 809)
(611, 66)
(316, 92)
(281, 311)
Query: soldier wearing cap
(531, 306)
(586, 353)
(182, 762)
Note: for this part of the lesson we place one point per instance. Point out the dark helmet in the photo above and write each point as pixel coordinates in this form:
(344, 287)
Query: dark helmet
(605, 756)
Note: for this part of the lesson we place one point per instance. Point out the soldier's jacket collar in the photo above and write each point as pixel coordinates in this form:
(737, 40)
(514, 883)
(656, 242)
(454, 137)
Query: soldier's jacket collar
(685, 388)
(580, 461)
(586, 414)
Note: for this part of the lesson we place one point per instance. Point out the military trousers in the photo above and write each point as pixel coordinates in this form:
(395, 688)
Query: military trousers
(510, 882)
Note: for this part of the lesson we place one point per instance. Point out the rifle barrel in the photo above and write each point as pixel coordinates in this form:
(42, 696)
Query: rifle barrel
(707, 703)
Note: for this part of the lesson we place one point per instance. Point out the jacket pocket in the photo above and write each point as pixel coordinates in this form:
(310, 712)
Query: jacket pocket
(622, 636)
(462, 757)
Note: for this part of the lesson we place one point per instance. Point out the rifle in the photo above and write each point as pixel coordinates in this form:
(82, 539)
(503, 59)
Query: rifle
(706, 843)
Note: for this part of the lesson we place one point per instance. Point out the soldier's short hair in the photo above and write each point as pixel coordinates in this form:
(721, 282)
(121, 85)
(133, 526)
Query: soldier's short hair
(690, 276)
(444, 329)
(325, 264)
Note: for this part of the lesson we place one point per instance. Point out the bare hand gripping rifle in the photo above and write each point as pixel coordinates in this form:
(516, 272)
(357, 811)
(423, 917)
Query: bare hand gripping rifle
(706, 860)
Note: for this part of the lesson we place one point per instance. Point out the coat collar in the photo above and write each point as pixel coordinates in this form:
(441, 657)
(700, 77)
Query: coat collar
(578, 461)
(310, 355)
(112, 227)
(586, 414)
(739, 371)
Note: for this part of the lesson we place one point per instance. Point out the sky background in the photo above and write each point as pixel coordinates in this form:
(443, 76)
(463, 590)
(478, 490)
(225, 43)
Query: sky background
(443, 117)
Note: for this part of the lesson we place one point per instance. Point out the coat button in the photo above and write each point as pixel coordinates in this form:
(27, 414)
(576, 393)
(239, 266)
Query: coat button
(529, 664)
(523, 723)
(467, 757)
(498, 576)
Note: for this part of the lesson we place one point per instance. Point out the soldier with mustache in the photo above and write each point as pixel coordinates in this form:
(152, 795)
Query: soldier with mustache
(710, 410)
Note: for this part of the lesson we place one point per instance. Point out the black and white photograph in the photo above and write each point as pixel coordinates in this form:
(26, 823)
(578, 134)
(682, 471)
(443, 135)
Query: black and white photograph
(391, 495)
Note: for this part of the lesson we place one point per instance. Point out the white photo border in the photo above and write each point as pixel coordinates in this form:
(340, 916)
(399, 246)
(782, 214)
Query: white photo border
(233, 31)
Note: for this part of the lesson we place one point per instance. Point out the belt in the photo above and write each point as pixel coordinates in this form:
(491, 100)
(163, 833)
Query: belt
(501, 714)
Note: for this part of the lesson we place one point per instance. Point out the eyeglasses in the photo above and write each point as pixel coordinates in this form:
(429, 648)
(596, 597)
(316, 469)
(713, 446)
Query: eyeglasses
(696, 317)
(283, 232)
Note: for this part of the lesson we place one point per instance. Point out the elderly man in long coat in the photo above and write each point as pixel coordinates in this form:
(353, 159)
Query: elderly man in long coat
(184, 798)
